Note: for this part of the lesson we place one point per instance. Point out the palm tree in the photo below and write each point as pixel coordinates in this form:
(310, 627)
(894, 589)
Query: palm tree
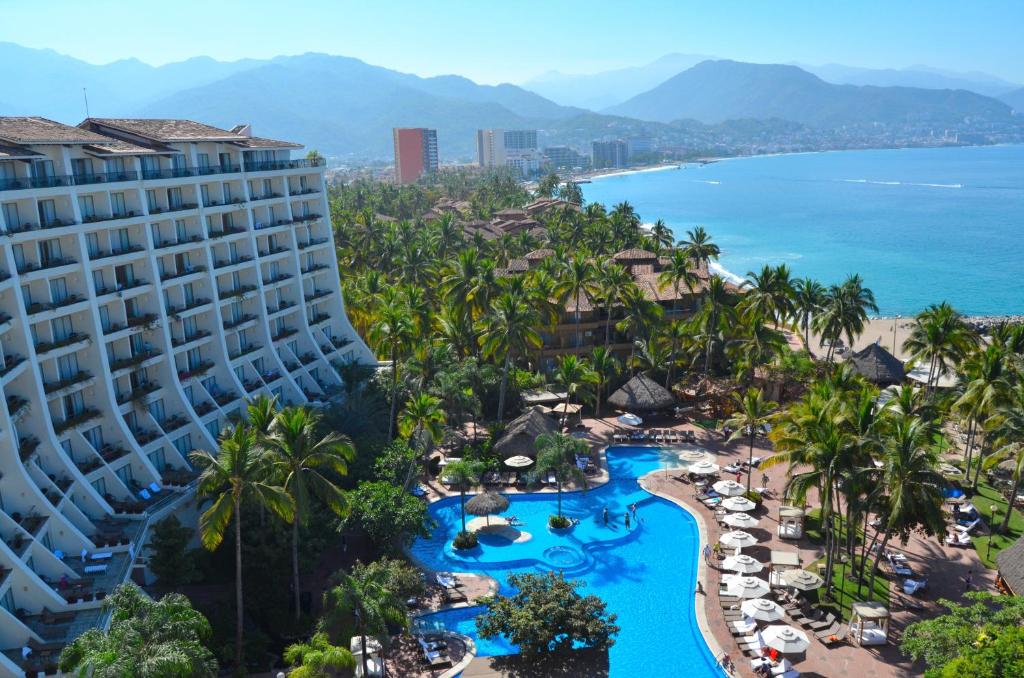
(146, 639)
(605, 366)
(318, 658)
(236, 475)
(368, 602)
(910, 484)
(941, 338)
(717, 307)
(1009, 433)
(752, 412)
(845, 312)
(392, 332)
(422, 421)
(986, 387)
(699, 246)
(678, 271)
(614, 284)
(556, 453)
(758, 344)
(260, 413)
(506, 331)
(769, 294)
(808, 300)
(577, 377)
(464, 473)
(661, 235)
(310, 465)
(577, 282)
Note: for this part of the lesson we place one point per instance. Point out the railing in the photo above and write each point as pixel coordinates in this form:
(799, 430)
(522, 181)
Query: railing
(272, 251)
(88, 414)
(284, 334)
(202, 409)
(237, 292)
(195, 336)
(123, 287)
(36, 182)
(73, 338)
(112, 453)
(115, 252)
(317, 294)
(138, 392)
(169, 173)
(196, 370)
(10, 362)
(280, 278)
(226, 232)
(181, 274)
(311, 242)
(97, 218)
(52, 263)
(217, 169)
(39, 307)
(241, 320)
(245, 350)
(171, 243)
(26, 446)
(77, 378)
(223, 263)
(225, 398)
(140, 320)
(314, 268)
(306, 217)
(104, 177)
(196, 303)
(173, 423)
(145, 436)
(270, 165)
(134, 360)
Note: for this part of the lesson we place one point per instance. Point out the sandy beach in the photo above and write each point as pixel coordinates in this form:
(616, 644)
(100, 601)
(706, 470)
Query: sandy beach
(877, 330)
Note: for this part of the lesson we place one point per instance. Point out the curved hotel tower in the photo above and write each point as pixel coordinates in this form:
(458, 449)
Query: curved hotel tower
(153, 275)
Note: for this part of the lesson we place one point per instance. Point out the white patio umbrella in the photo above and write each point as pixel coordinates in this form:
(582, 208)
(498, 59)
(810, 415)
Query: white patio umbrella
(629, 419)
(786, 639)
(738, 504)
(743, 564)
(518, 461)
(748, 587)
(763, 609)
(737, 539)
(729, 488)
(703, 468)
(741, 521)
(804, 580)
(693, 456)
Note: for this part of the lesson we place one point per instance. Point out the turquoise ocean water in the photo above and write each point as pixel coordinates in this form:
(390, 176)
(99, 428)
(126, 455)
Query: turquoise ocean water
(920, 225)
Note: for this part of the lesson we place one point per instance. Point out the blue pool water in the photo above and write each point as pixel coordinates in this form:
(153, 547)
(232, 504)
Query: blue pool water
(646, 575)
(920, 225)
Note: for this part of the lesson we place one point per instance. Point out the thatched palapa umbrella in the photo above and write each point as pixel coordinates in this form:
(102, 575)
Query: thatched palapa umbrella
(877, 365)
(520, 437)
(642, 394)
(486, 504)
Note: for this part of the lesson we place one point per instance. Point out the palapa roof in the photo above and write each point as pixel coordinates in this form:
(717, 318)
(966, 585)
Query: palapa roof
(635, 254)
(542, 253)
(486, 503)
(520, 436)
(642, 394)
(165, 130)
(36, 130)
(877, 365)
(1011, 566)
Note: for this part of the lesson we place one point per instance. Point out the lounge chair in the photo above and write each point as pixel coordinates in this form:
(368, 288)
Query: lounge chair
(914, 586)
(552, 479)
(510, 479)
(433, 657)
(958, 538)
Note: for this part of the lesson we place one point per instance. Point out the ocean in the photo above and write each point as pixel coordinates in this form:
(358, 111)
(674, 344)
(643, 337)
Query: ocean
(920, 225)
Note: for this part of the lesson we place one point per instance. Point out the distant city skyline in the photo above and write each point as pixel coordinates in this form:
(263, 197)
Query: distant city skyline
(572, 36)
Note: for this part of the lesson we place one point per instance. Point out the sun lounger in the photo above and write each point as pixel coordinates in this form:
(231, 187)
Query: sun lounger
(433, 657)
(958, 538)
(914, 586)
(510, 479)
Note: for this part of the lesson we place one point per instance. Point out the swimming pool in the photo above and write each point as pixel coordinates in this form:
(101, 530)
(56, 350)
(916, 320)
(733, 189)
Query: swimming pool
(646, 574)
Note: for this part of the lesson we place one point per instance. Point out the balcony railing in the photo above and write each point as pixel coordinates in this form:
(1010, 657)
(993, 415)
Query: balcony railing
(171, 243)
(29, 267)
(169, 173)
(165, 277)
(237, 292)
(196, 370)
(10, 362)
(319, 318)
(173, 423)
(284, 333)
(104, 177)
(307, 357)
(77, 378)
(252, 385)
(223, 399)
(88, 414)
(273, 250)
(115, 252)
(281, 307)
(270, 165)
(196, 303)
(311, 242)
(203, 409)
(122, 287)
(314, 268)
(240, 320)
(73, 338)
(26, 446)
(312, 216)
(134, 360)
(112, 452)
(217, 169)
(113, 216)
(14, 404)
(141, 320)
(279, 278)
(298, 192)
(145, 436)
(195, 336)
(222, 263)
(54, 181)
(39, 307)
(137, 393)
(245, 350)
(317, 294)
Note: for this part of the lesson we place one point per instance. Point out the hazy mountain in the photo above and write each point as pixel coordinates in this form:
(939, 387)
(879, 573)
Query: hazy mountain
(1015, 99)
(345, 106)
(43, 82)
(714, 91)
(915, 76)
(601, 90)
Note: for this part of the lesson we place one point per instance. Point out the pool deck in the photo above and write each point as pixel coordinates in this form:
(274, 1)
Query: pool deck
(945, 566)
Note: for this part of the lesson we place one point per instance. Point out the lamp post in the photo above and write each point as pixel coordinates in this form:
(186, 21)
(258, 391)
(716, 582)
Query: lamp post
(993, 509)
(894, 324)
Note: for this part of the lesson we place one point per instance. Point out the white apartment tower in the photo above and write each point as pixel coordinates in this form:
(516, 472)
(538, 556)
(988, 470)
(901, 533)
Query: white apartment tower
(153, 275)
(508, 148)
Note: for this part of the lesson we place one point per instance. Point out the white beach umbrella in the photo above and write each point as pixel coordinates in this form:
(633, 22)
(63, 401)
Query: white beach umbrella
(763, 609)
(743, 564)
(703, 468)
(729, 488)
(804, 580)
(741, 521)
(786, 639)
(518, 461)
(737, 539)
(748, 587)
(630, 419)
(738, 504)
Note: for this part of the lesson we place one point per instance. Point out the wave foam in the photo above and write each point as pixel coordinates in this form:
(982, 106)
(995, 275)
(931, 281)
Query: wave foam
(900, 183)
(718, 269)
(706, 181)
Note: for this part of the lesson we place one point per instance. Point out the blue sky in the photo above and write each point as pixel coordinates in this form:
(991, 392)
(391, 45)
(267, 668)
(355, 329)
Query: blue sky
(513, 40)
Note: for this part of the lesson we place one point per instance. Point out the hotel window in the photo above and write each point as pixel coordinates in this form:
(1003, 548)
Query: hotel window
(49, 250)
(62, 328)
(136, 344)
(131, 420)
(67, 366)
(92, 245)
(275, 269)
(105, 319)
(122, 240)
(117, 205)
(190, 327)
(184, 444)
(81, 168)
(124, 474)
(214, 428)
(116, 166)
(150, 166)
(26, 295)
(178, 161)
(236, 280)
(182, 262)
(11, 218)
(180, 231)
(131, 308)
(188, 394)
(271, 216)
(87, 206)
(194, 358)
(156, 410)
(294, 347)
(100, 485)
(236, 311)
(240, 373)
(58, 290)
(42, 169)
(94, 437)
(227, 193)
(225, 161)
(243, 338)
(189, 294)
(124, 276)
(19, 256)
(151, 200)
(204, 193)
(158, 460)
(276, 393)
(47, 212)
(302, 184)
(203, 159)
(74, 404)
(174, 198)
(97, 281)
(7, 602)
(258, 365)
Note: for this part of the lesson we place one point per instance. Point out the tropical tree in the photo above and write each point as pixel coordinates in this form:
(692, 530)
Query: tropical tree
(393, 332)
(464, 474)
(309, 465)
(146, 639)
(808, 300)
(845, 312)
(910, 484)
(556, 453)
(678, 272)
(985, 387)
(661, 235)
(422, 421)
(614, 285)
(752, 412)
(318, 658)
(715, 314)
(769, 294)
(236, 475)
(506, 331)
(605, 366)
(941, 338)
(699, 246)
(577, 282)
(363, 603)
(1008, 430)
(577, 377)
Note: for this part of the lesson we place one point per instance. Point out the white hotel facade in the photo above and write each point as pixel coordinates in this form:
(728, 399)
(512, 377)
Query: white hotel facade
(153, 275)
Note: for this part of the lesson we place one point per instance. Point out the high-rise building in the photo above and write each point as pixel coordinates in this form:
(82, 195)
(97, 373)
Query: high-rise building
(508, 148)
(563, 157)
(415, 153)
(610, 154)
(153, 275)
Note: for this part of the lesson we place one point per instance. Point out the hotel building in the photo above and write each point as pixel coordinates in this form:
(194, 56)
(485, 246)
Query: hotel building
(509, 148)
(153, 275)
(415, 153)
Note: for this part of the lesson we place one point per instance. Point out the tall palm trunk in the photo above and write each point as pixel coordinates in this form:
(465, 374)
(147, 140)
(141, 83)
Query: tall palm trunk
(295, 565)
(981, 459)
(969, 451)
(394, 394)
(239, 649)
(362, 645)
(878, 559)
(1009, 509)
(504, 385)
(462, 503)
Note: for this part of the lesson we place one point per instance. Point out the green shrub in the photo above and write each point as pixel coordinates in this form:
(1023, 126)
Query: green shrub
(465, 540)
(559, 522)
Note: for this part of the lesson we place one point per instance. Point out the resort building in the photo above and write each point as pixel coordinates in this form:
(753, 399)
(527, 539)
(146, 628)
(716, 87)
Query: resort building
(509, 148)
(564, 157)
(153, 275)
(607, 154)
(415, 153)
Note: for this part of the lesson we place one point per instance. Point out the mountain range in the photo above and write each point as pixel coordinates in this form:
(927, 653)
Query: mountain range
(346, 108)
(715, 91)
